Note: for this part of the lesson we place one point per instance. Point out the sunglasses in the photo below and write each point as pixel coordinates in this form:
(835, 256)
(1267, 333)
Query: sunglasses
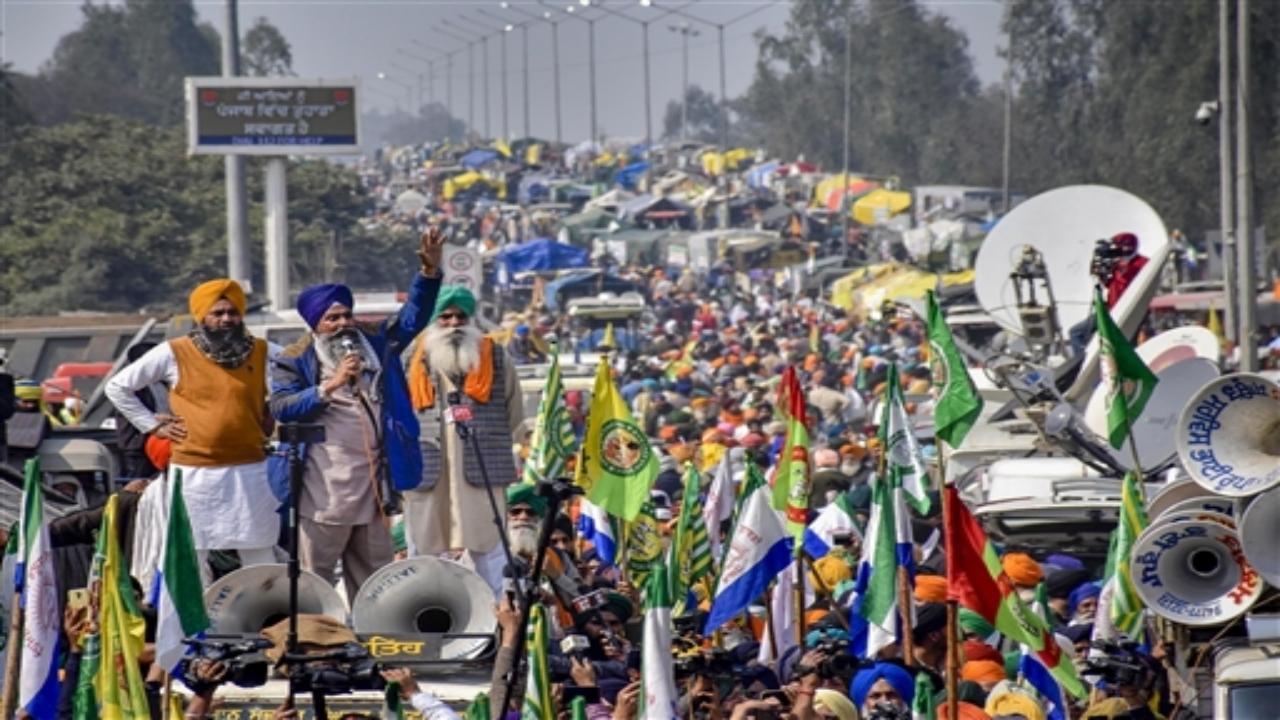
(452, 316)
(519, 511)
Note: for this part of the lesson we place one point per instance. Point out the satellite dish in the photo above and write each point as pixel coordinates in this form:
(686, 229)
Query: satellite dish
(1174, 346)
(1154, 428)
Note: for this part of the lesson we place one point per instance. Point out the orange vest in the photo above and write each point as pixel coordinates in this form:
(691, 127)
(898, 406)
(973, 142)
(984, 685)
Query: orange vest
(224, 408)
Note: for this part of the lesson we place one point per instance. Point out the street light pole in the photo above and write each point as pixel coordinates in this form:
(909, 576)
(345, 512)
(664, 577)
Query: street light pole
(724, 95)
(239, 264)
(1248, 340)
(524, 48)
(1226, 177)
(685, 31)
(591, 65)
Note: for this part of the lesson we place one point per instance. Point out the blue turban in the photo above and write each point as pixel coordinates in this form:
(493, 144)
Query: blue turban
(895, 675)
(316, 300)
(1066, 562)
(1082, 593)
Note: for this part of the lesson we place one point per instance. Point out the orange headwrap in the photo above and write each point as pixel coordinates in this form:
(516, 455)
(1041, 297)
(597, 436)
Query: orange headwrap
(478, 385)
(204, 297)
(975, 650)
(982, 671)
(1022, 569)
(964, 711)
(667, 432)
(931, 588)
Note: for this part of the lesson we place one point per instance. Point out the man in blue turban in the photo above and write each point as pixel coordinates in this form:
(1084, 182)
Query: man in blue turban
(882, 684)
(348, 378)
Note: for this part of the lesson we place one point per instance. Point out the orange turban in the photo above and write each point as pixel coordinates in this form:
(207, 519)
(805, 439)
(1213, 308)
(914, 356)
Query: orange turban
(699, 402)
(667, 432)
(1022, 569)
(931, 588)
(982, 671)
(810, 362)
(976, 650)
(204, 297)
(158, 450)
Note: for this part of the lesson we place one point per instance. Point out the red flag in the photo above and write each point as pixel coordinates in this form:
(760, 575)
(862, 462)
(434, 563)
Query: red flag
(976, 580)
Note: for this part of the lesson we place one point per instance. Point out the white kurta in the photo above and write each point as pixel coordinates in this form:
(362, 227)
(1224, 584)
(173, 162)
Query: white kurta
(231, 507)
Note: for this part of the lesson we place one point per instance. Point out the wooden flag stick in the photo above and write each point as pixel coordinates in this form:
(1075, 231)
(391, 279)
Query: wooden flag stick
(800, 624)
(953, 659)
(167, 698)
(13, 660)
(904, 610)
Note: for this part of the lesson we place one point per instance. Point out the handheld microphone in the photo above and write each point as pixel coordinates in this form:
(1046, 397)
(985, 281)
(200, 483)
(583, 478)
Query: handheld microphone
(349, 348)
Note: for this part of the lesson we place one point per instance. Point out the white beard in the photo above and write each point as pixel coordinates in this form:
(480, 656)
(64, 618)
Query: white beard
(524, 539)
(454, 352)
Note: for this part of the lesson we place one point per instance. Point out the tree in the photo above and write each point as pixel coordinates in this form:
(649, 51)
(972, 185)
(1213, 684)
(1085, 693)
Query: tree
(127, 60)
(265, 51)
(13, 107)
(703, 117)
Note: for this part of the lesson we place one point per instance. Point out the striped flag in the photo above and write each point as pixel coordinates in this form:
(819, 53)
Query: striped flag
(791, 480)
(178, 595)
(837, 517)
(597, 527)
(759, 549)
(690, 551)
(538, 703)
(1034, 671)
(552, 441)
(1126, 608)
(8, 587)
(38, 683)
(719, 504)
(958, 402)
(887, 546)
(903, 462)
(84, 703)
(977, 581)
(657, 673)
(122, 695)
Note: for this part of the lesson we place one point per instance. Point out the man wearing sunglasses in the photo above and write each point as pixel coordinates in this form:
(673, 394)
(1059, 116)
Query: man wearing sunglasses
(457, 376)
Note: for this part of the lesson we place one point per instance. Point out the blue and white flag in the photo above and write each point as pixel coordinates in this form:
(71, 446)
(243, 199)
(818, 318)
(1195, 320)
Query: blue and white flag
(596, 526)
(1039, 677)
(837, 517)
(719, 504)
(759, 549)
(36, 580)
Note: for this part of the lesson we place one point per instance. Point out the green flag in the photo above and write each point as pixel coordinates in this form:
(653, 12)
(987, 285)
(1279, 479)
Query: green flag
(1126, 605)
(1127, 381)
(478, 709)
(643, 545)
(690, 551)
(922, 707)
(84, 703)
(538, 702)
(958, 402)
(552, 441)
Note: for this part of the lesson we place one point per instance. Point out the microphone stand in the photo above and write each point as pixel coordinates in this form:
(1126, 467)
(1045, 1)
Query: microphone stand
(463, 427)
(295, 434)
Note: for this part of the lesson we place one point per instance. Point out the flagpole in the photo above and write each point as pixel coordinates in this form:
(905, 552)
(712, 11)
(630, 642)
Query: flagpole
(165, 708)
(953, 608)
(12, 661)
(904, 609)
(768, 621)
(800, 629)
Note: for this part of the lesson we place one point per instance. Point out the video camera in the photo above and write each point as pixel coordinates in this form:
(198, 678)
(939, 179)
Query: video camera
(888, 711)
(246, 665)
(1121, 664)
(1105, 256)
(335, 672)
(714, 663)
(837, 663)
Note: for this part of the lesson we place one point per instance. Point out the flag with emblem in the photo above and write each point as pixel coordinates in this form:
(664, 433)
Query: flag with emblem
(620, 467)
(957, 402)
(644, 545)
(904, 464)
(1126, 606)
(690, 551)
(552, 441)
(791, 479)
(538, 703)
(1127, 382)
(118, 685)
(84, 703)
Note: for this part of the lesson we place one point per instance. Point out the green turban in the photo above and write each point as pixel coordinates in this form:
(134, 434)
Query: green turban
(454, 296)
(972, 622)
(526, 494)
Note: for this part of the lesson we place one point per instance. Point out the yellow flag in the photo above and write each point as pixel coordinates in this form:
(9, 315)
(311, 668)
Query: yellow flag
(608, 343)
(1215, 325)
(118, 684)
(619, 464)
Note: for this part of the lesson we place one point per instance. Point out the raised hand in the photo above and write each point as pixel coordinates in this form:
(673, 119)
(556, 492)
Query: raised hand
(430, 251)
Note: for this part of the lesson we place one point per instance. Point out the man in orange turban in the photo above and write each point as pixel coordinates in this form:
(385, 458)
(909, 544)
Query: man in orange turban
(931, 588)
(1024, 571)
(217, 375)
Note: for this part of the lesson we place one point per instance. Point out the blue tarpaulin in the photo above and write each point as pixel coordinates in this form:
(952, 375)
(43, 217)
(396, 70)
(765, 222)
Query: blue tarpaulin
(629, 176)
(585, 283)
(478, 158)
(543, 254)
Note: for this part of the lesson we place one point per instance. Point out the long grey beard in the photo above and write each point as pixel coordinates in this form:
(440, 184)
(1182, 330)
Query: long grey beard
(454, 352)
(524, 539)
(330, 350)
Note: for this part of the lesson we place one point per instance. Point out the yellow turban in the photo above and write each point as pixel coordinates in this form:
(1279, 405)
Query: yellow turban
(203, 298)
(832, 571)
(1022, 569)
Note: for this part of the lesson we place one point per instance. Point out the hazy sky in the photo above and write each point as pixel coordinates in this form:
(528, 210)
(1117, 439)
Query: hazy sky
(337, 38)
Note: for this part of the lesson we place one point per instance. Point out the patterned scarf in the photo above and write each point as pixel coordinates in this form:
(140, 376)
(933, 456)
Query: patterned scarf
(229, 349)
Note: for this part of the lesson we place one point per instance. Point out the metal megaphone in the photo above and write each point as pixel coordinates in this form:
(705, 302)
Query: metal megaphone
(252, 598)
(1190, 568)
(1228, 435)
(427, 595)
(1260, 535)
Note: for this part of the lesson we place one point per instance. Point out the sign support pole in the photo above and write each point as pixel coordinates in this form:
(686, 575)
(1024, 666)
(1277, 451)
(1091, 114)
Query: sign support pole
(239, 266)
(277, 232)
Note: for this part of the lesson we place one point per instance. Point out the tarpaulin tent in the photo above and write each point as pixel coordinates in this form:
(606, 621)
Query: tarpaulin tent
(543, 254)
(581, 227)
(582, 283)
(473, 181)
(534, 188)
(878, 206)
(866, 289)
(629, 176)
(761, 175)
(830, 193)
(478, 158)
